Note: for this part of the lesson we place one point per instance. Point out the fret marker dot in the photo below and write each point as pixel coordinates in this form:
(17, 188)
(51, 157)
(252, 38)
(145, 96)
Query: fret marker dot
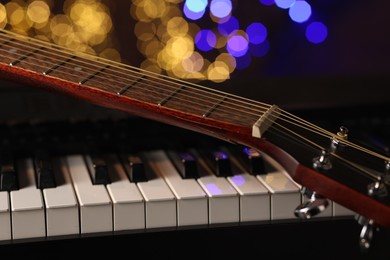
(13, 50)
(78, 68)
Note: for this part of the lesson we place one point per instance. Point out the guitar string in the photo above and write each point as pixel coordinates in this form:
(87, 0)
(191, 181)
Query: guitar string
(114, 89)
(295, 119)
(255, 115)
(296, 124)
(363, 170)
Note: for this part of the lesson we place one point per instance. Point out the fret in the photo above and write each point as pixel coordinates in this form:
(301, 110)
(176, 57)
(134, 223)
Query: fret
(6, 42)
(128, 86)
(47, 72)
(93, 75)
(13, 63)
(165, 100)
(213, 108)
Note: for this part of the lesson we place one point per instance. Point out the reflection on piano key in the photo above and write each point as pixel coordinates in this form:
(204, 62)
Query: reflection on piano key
(285, 194)
(128, 203)
(5, 217)
(254, 198)
(62, 213)
(223, 198)
(160, 203)
(191, 199)
(28, 213)
(94, 201)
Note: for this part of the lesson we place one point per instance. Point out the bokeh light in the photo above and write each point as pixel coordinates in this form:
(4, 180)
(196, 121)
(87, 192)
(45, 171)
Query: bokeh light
(300, 11)
(191, 39)
(83, 25)
(316, 32)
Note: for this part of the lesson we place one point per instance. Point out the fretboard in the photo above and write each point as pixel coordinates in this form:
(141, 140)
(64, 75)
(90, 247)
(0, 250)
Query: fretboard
(122, 80)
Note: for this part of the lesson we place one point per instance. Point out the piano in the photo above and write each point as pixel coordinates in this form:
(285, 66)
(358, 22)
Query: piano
(93, 179)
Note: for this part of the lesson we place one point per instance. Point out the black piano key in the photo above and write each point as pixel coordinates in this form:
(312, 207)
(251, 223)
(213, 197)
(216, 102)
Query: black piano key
(185, 163)
(219, 162)
(135, 167)
(99, 170)
(44, 171)
(251, 159)
(8, 176)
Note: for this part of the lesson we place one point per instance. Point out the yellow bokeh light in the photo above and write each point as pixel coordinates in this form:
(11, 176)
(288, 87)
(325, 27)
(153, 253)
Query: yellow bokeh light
(194, 63)
(38, 12)
(177, 26)
(218, 72)
(180, 47)
(3, 13)
(154, 8)
(145, 31)
(61, 26)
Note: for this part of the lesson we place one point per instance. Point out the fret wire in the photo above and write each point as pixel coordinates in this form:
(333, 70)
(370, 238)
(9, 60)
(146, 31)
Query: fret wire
(25, 57)
(93, 75)
(165, 100)
(201, 94)
(257, 113)
(128, 86)
(211, 110)
(241, 99)
(47, 72)
(238, 99)
(207, 91)
(243, 119)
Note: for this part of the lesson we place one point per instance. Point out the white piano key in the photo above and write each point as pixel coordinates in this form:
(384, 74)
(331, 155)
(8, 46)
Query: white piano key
(285, 194)
(5, 217)
(339, 210)
(190, 197)
(160, 203)
(224, 204)
(128, 203)
(28, 213)
(94, 200)
(223, 200)
(255, 204)
(62, 213)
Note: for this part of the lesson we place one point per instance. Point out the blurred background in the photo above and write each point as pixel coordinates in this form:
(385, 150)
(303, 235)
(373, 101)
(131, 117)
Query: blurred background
(295, 53)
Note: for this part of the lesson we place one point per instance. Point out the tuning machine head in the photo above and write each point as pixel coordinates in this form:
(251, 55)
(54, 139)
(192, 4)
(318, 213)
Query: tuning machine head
(313, 206)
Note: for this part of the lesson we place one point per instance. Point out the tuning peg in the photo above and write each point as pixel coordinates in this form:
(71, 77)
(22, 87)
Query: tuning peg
(322, 162)
(313, 206)
(367, 232)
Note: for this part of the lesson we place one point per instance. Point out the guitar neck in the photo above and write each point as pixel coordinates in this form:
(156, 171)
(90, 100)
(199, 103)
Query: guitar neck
(126, 88)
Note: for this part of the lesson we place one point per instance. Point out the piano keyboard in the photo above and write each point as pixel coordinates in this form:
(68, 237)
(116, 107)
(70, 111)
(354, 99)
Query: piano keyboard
(77, 194)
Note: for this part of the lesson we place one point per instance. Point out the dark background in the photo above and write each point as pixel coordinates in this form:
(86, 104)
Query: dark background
(344, 80)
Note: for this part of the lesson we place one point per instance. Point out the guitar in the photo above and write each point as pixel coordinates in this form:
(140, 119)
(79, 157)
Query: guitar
(325, 164)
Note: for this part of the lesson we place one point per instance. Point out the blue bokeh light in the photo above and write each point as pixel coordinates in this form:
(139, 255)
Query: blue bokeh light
(284, 4)
(244, 61)
(316, 32)
(267, 2)
(257, 33)
(237, 45)
(300, 11)
(259, 50)
(194, 9)
(221, 8)
(205, 40)
(229, 26)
